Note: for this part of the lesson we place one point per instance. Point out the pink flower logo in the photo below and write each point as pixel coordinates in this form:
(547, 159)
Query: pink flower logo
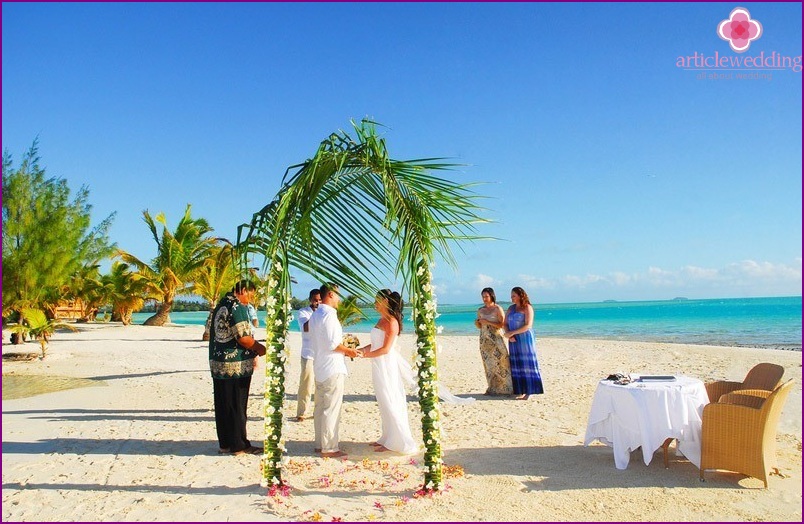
(739, 30)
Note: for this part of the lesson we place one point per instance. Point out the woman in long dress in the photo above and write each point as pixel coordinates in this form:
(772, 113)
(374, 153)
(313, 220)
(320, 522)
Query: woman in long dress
(525, 373)
(387, 373)
(493, 350)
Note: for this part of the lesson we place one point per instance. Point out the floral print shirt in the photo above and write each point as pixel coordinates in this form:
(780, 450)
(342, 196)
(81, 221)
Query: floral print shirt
(227, 358)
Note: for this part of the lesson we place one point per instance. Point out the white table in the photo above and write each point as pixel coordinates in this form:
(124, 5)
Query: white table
(646, 414)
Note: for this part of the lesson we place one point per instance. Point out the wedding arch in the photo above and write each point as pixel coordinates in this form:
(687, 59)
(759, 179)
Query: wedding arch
(353, 215)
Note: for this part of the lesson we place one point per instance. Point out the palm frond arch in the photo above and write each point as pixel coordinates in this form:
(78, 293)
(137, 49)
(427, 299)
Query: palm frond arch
(354, 216)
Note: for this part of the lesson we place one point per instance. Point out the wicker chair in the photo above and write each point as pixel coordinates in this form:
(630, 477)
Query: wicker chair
(762, 376)
(739, 432)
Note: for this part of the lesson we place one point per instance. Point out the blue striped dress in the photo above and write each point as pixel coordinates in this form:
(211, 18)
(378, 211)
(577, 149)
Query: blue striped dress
(525, 373)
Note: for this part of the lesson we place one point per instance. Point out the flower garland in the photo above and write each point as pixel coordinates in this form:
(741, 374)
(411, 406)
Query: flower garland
(278, 317)
(424, 315)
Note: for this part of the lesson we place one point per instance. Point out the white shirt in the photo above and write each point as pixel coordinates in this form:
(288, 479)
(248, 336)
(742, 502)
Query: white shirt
(252, 314)
(307, 337)
(327, 334)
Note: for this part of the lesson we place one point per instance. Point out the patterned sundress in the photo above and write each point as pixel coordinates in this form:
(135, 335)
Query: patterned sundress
(495, 358)
(525, 373)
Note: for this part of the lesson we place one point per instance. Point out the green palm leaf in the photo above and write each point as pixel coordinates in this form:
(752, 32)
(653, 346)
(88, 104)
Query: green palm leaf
(34, 322)
(181, 254)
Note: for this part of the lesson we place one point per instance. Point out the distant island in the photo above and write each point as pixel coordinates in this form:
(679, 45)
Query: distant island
(681, 298)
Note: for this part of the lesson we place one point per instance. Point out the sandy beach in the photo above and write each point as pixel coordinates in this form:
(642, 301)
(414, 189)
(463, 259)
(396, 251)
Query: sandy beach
(135, 440)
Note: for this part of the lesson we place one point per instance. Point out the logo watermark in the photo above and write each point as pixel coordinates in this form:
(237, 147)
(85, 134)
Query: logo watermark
(739, 30)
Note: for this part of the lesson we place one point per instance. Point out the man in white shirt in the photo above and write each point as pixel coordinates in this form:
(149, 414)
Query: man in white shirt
(330, 371)
(306, 381)
(252, 315)
(255, 321)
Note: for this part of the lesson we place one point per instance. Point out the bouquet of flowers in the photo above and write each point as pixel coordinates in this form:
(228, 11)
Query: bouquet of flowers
(351, 341)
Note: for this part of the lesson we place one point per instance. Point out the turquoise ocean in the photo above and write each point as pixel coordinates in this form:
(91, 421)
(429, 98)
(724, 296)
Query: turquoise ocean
(754, 322)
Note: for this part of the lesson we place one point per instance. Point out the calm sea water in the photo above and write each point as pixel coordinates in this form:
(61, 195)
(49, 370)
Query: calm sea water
(756, 322)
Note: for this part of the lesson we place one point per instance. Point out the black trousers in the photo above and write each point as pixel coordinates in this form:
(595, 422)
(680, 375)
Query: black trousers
(231, 403)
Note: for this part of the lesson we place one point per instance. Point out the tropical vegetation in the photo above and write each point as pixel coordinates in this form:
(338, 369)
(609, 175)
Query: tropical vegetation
(215, 277)
(181, 254)
(35, 324)
(179, 305)
(88, 289)
(126, 290)
(48, 239)
(349, 312)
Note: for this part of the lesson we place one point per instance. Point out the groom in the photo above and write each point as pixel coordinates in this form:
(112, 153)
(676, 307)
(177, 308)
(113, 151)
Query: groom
(329, 368)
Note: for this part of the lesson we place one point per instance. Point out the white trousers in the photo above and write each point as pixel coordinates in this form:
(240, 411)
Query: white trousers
(327, 418)
(306, 388)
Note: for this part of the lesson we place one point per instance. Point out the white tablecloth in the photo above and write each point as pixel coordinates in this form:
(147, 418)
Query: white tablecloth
(644, 414)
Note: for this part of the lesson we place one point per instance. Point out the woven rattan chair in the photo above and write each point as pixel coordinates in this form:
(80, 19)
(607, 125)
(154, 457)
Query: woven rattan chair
(739, 432)
(762, 376)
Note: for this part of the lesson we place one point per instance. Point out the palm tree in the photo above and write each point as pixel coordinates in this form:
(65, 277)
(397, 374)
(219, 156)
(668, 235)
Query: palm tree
(126, 291)
(88, 287)
(354, 216)
(215, 277)
(35, 323)
(180, 255)
(349, 313)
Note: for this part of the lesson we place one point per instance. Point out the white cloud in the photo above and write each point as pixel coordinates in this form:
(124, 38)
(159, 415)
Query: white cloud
(532, 282)
(658, 273)
(743, 278)
(699, 273)
(583, 281)
(765, 270)
(482, 281)
(621, 279)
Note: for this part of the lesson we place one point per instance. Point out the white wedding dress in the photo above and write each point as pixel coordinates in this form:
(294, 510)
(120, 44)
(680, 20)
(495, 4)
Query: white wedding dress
(391, 374)
(389, 388)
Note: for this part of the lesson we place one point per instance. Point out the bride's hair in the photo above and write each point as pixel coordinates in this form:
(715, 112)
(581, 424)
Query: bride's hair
(395, 304)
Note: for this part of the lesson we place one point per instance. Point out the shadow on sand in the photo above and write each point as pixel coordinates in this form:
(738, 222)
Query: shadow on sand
(560, 468)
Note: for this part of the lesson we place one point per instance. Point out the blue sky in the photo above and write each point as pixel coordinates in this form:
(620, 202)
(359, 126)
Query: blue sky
(612, 173)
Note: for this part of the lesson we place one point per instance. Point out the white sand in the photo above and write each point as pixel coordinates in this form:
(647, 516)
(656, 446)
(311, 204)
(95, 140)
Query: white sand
(140, 445)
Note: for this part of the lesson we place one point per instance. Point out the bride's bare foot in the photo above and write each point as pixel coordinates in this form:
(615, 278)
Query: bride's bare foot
(381, 448)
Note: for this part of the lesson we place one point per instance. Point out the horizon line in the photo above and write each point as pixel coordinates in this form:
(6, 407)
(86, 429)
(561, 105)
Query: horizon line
(608, 300)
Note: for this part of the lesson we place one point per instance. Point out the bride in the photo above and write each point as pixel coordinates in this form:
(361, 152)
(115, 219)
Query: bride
(389, 373)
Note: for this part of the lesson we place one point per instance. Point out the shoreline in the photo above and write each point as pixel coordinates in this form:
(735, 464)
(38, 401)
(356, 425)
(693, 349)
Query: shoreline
(790, 347)
(752, 322)
(139, 443)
